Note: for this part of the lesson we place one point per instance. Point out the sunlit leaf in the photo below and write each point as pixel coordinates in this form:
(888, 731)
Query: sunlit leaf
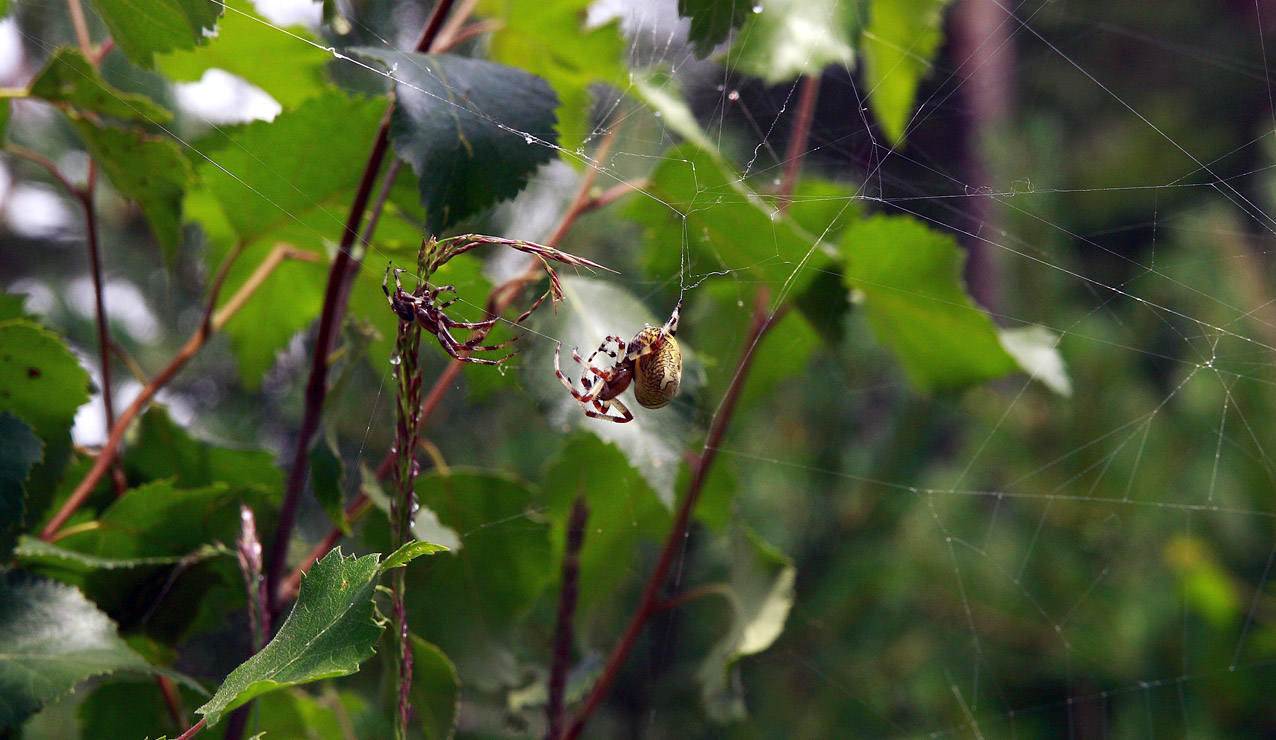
(160, 448)
(143, 29)
(550, 40)
(911, 280)
(330, 631)
(409, 552)
(900, 42)
(1036, 349)
(701, 218)
(51, 638)
(68, 80)
(654, 441)
(473, 131)
(19, 450)
(275, 173)
(244, 39)
(783, 39)
(761, 594)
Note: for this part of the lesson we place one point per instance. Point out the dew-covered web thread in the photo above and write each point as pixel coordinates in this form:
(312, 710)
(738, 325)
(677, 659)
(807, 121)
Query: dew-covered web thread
(1000, 531)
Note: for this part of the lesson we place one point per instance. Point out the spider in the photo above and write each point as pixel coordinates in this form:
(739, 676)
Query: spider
(423, 308)
(652, 361)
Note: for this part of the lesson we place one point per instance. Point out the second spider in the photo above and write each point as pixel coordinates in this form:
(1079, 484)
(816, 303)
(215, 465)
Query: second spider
(424, 308)
(651, 361)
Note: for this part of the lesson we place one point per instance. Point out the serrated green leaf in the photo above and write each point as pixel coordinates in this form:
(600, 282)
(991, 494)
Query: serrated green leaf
(697, 205)
(900, 42)
(326, 474)
(654, 441)
(473, 131)
(51, 638)
(148, 169)
(712, 21)
(293, 74)
(32, 553)
(549, 39)
(69, 80)
(410, 551)
(19, 450)
(469, 600)
(790, 38)
(144, 28)
(436, 694)
(624, 512)
(761, 594)
(162, 449)
(911, 279)
(330, 631)
(41, 381)
(269, 174)
(1036, 349)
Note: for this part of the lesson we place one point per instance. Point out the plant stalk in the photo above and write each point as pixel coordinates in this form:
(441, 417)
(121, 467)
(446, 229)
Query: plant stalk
(566, 614)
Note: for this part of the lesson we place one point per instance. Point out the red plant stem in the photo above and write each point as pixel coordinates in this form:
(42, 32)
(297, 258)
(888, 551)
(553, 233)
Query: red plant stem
(334, 307)
(648, 605)
(566, 613)
(172, 701)
(796, 150)
(194, 729)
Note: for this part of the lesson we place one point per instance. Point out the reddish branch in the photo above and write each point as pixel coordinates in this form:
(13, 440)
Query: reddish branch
(341, 273)
(566, 613)
(650, 601)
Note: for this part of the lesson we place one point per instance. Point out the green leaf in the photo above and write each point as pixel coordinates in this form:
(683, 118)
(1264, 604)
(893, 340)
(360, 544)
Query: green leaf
(549, 39)
(473, 131)
(624, 512)
(32, 553)
(790, 38)
(330, 631)
(1036, 349)
(148, 169)
(162, 449)
(910, 277)
(51, 638)
(653, 442)
(733, 231)
(294, 73)
(326, 473)
(662, 94)
(41, 381)
(293, 713)
(288, 301)
(143, 28)
(761, 594)
(436, 695)
(130, 708)
(712, 21)
(900, 42)
(68, 80)
(469, 600)
(409, 552)
(19, 450)
(269, 173)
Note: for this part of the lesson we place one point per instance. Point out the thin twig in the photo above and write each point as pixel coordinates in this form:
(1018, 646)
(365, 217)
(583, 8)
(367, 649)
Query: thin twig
(172, 701)
(566, 614)
(796, 150)
(81, 29)
(334, 307)
(647, 606)
(209, 324)
(18, 150)
(195, 728)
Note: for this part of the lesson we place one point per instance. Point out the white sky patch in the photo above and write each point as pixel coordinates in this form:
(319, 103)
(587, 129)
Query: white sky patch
(125, 306)
(220, 97)
(36, 211)
(291, 12)
(11, 67)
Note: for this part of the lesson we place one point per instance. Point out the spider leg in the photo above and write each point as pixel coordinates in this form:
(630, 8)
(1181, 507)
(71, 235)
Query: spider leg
(591, 391)
(452, 348)
(605, 406)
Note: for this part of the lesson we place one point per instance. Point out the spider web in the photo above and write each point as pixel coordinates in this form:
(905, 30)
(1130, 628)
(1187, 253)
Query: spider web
(1008, 562)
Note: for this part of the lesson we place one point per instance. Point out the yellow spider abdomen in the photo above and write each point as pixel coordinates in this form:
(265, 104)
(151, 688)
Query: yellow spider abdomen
(658, 373)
